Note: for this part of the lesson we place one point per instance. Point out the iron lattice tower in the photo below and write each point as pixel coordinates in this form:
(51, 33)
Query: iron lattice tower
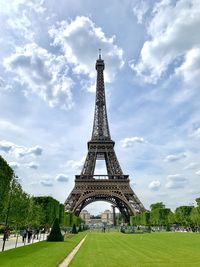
(114, 187)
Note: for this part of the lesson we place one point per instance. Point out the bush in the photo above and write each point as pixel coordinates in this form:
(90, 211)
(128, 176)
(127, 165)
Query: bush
(55, 234)
(74, 230)
(80, 229)
(122, 230)
(2, 229)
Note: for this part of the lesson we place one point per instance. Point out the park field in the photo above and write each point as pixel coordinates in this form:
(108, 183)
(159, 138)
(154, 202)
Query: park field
(111, 249)
(115, 249)
(41, 254)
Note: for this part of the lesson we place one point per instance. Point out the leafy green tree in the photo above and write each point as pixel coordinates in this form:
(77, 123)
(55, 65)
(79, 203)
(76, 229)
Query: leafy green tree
(160, 216)
(61, 214)
(158, 205)
(55, 234)
(195, 216)
(19, 204)
(183, 215)
(198, 202)
(50, 209)
(6, 176)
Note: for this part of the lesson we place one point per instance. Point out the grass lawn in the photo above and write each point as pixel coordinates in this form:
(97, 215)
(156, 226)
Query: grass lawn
(42, 254)
(139, 250)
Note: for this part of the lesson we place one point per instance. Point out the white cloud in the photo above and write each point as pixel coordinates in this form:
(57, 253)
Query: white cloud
(62, 178)
(190, 69)
(196, 133)
(176, 181)
(74, 38)
(44, 73)
(75, 164)
(139, 10)
(14, 165)
(19, 151)
(191, 165)
(47, 182)
(130, 141)
(2, 82)
(173, 42)
(154, 185)
(32, 165)
(171, 158)
(9, 126)
(198, 172)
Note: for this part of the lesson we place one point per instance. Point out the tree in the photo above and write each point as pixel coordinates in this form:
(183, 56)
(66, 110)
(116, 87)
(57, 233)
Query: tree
(55, 234)
(195, 216)
(158, 205)
(198, 201)
(19, 205)
(50, 208)
(183, 215)
(6, 176)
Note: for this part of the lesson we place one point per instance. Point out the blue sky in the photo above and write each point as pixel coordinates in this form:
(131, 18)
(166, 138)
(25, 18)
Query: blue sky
(47, 81)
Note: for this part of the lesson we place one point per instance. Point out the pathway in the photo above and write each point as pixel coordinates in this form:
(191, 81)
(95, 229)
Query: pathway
(68, 259)
(11, 243)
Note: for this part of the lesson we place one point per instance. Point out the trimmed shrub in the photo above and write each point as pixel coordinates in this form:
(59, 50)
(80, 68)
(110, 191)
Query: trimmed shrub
(80, 229)
(55, 234)
(74, 230)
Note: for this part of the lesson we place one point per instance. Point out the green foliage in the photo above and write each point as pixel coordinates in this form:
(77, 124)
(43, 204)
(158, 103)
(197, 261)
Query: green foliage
(55, 234)
(6, 176)
(19, 206)
(158, 205)
(61, 214)
(195, 216)
(50, 208)
(159, 216)
(198, 201)
(182, 215)
(74, 230)
(70, 218)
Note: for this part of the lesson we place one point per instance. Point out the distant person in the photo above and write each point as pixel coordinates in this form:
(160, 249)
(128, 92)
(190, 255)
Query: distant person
(29, 235)
(24, 235)
(37, 233)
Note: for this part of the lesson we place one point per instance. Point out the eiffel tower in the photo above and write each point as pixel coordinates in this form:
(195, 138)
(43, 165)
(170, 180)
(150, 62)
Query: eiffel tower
(114, 187)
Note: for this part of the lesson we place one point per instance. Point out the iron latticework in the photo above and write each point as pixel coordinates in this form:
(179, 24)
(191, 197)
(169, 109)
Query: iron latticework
(113, 187)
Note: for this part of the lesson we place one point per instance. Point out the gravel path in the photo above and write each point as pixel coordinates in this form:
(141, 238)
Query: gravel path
(68, 259)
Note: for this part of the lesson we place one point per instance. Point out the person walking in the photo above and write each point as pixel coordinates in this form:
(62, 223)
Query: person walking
(24, 235)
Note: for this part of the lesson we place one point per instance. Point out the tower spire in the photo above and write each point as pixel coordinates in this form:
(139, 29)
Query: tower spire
(100, 125)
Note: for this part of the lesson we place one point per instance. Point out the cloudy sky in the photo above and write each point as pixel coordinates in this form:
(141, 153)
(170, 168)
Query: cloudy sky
(47, 90)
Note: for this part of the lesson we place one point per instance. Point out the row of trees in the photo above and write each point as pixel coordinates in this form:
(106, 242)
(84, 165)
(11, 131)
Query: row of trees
(20, 209)
(159, 215)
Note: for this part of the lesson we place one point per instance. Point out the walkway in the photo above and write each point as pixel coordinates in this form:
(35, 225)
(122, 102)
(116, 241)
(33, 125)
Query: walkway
(13, 242)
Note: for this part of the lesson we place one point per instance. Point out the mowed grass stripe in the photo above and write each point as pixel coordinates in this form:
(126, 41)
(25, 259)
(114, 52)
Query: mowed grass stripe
(139, 250)
(41, 254)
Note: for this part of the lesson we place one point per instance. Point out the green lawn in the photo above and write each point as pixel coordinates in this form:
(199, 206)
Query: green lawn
(139, 250)
(42, 254)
